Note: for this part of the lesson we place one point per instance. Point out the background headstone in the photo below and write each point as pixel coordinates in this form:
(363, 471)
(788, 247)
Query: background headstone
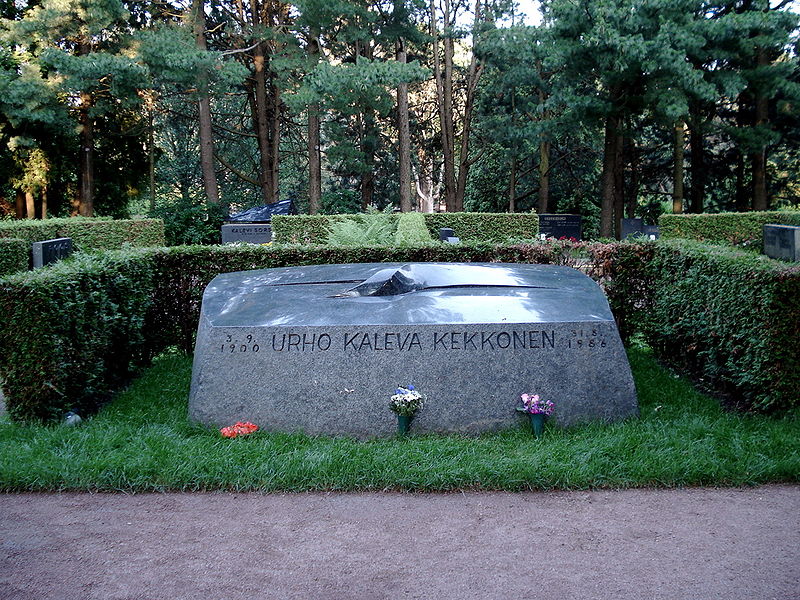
(782, 242)
(560, 226)
(252, 233)
(50, 251)
(445, 233)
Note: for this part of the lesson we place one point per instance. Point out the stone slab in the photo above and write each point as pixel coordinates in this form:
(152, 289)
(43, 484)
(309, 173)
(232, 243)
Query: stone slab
(445, 233)
(50, 251)
(560, 226)
(782, 242)
(322, 348)
(253, 233)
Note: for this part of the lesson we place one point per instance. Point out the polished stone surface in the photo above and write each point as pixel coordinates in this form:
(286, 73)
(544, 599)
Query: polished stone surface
(321, 348)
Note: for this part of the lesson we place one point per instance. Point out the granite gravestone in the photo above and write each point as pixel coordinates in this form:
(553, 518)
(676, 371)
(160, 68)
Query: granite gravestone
(560, 226)
(782, 242)
(252, 233)
(50, 251)
(637, 228)
(322, 348)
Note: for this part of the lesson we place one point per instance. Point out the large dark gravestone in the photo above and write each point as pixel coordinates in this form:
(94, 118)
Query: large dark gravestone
(560, 226)
(322, 348)
(782, 242)
(50, 251)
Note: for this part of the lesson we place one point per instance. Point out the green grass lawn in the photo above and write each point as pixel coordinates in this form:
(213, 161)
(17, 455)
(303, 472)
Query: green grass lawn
(143, 442)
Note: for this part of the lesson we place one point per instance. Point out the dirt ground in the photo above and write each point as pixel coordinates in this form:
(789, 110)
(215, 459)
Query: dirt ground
(636, 544)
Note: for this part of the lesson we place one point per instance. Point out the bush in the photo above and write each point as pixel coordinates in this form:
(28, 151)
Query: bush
(300, 229)
(188, 222)
(411, 230)
(369, 230)
(74, 332)
(89, 234)
(14, 255)
(738, 229)
(491, 227)
(729, 317)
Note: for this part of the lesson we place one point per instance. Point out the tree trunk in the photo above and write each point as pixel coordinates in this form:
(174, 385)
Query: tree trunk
(544, 176)
(206, 132)
(30, 204)
(403, 134)
(314, 157)
(759, 158)
(608, 177)
(368, 148)
(633, 195)
(19, 205)
(512, 186)
(696, 148)
(619, 183)
(444, 101)
(86, 189)
(43, 203)
(677, 167)
(151, 160)
(261, 117)
(742, 201)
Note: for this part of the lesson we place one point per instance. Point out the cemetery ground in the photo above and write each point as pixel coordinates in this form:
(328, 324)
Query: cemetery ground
(319, 532)
(336, 540)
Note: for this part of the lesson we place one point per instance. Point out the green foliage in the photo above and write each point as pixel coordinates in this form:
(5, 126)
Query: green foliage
(13, 255)
(729, 317)
(189, 222)
(493, 227)
(89, 234)
(300, 229)
(144, 442)
(76, 333)
(362, 230)
(411, 230)
(738, 229)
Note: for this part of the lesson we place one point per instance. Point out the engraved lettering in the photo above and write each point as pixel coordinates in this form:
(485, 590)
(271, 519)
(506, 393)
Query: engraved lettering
(365, 342)
(454, 341)
(294, 341)
(350, 341)
(503, 340)
(486, 339)
(549, 340)
(438, 338)
(533, 339)
(469, 339)
(324, 341)
(519, 340)
(414, 341)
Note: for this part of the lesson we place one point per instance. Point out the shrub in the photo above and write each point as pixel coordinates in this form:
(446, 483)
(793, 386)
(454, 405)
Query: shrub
(738, 229)
(14, 255)
(89, 234)
(411, 230)
(369, 230)
(492, 227)
(75, 332)
(729, 317)
(189, 222)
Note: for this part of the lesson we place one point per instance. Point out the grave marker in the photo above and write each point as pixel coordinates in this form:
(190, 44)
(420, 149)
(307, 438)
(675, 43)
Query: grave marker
(560, 226)
(782, 242)
(50, 251)
(321, 348)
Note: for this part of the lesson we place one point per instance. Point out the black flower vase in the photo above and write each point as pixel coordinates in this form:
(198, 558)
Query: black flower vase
(403, 424)
(537, 424)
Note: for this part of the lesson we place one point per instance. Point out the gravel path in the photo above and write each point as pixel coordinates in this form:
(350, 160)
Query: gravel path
(635, 544)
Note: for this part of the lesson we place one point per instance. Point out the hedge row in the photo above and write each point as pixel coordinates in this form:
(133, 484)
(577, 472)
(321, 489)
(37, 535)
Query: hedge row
(738, 229)
(729, 317)
(13, 255)
(469, 227)
(89, 234)
(411, 230)
(79, 330)
(492, 227)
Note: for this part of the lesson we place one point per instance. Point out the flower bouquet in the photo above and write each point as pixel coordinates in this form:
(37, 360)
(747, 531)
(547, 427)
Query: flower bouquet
(537, 410)
(238, 429)
(405, 403)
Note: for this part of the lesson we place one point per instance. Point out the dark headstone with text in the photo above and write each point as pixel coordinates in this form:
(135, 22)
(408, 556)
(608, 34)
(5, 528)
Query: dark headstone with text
(321, 348)
(782, 242)
(50, 251)
(252, 233)
(560, 226)
(446, 232)
(635, 228)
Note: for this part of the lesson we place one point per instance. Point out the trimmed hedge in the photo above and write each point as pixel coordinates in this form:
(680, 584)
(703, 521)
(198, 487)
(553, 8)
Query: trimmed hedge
(729, 317)
(738, 229)
(77, 331)
(73, 333)
(493, 227)
(411, 230)
(13, 255)
(469, 227)
(89, 234)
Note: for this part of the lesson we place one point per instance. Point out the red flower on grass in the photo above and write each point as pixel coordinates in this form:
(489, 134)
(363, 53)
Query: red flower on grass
(239, 429)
